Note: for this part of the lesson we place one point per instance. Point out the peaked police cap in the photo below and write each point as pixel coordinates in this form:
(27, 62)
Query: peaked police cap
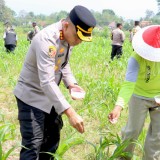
(84, 22)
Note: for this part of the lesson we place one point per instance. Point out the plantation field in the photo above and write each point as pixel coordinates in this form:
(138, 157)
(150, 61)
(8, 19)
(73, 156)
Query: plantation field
(101, 81)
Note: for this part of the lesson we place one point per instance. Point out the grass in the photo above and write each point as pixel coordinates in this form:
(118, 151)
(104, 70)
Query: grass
(100, 79)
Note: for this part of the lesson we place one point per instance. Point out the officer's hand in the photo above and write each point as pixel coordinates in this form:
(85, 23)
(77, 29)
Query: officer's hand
(77, 89)
(114, 115)
(157, 104)
(75, 86)
(74, 119)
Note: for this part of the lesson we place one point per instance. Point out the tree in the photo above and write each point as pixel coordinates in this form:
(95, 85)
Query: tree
(61, 15)
(2, 8)
(158, 2)
(23, 17)
(106, 17)
(149, 14)
(31, 14)
(108, 11)
(6, 14)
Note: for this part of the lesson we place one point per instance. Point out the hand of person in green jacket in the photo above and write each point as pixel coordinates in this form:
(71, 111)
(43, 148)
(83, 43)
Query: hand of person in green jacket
(115, 114)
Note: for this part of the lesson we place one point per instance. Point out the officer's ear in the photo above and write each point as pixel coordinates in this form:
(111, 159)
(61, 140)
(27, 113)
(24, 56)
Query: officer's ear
(65, 25)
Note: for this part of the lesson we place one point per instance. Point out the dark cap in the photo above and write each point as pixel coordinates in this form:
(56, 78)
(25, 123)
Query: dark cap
(84, 22)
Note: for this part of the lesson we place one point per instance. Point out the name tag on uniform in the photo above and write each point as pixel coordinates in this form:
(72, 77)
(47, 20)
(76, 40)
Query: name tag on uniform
(61, 55)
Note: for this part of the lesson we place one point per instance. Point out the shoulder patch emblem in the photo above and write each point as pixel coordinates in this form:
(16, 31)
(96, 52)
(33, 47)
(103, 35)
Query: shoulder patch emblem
(52, 51)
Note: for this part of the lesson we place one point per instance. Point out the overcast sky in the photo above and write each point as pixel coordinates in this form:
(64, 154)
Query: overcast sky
(128, 9)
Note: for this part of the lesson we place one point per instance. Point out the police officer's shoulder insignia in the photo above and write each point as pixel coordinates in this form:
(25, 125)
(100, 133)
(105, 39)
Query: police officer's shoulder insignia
(61, 35)
(52, 51)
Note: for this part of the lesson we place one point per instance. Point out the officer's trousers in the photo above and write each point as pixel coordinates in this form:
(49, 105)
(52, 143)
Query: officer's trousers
(40, 132)
(10, 47)
(116, 51)
(138, 110)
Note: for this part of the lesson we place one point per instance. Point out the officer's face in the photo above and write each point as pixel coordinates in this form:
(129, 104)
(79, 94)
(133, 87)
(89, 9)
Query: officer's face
(70, 34)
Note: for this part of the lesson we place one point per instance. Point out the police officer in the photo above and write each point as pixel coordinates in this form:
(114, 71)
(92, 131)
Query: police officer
(31, 33)
(10, 39)
(35, 27)
(117, 37)
(136, 27)
(40, 101)
(30, 36)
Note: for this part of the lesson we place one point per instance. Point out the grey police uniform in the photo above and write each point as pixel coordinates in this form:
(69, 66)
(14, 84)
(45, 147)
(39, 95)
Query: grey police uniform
(10, 37)
(40, 101)
(10, 40)
(43, 70)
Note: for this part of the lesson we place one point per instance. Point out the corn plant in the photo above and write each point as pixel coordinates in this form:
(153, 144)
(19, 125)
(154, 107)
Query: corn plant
(6, 134)
(100, 78)
(65, 146)
(104, 148)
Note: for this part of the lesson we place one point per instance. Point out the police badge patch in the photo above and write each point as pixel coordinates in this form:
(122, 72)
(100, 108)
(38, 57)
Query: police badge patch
(52, 51)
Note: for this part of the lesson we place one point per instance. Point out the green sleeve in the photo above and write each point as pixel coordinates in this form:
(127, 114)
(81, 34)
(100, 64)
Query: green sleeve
(125, 93)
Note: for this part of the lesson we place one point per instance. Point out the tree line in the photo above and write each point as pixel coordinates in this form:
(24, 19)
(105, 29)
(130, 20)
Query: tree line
(103, 18)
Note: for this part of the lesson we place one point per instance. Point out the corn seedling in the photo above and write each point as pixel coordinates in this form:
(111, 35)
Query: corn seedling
(107, 143)
(6, 134)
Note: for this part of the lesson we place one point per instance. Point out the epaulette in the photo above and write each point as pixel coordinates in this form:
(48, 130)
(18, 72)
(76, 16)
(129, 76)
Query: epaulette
(61, 35)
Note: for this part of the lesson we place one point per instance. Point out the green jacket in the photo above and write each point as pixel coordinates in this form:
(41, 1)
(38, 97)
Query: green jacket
(147, 82)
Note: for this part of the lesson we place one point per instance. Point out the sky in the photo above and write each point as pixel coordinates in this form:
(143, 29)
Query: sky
(128, 9)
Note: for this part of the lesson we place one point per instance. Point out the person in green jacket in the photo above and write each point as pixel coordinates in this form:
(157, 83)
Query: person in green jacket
(141, 89)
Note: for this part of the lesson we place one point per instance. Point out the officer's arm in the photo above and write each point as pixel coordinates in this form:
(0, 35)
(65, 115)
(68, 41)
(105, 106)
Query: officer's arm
(46, 65)
(4, 35)
(67, 76)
